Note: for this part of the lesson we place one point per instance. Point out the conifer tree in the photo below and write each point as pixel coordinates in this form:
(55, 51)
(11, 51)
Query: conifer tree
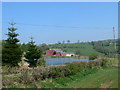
(11, 52)
(33, 54)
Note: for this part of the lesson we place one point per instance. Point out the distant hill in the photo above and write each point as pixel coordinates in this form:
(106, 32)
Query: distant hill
(77, 48)
(101, 47)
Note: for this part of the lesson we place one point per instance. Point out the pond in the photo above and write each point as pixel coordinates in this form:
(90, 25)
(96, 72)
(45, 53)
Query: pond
(59, 61)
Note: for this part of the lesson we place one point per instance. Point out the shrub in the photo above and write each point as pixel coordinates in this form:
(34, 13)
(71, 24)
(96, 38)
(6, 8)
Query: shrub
(71, 68)
(26, 77)
(104, 63)
(10, 70)
(6, 83)
(55, 72)
(93, 64)
(41, 62)
(82, 66)
(93, 56)
(66, 70)
(37, 74)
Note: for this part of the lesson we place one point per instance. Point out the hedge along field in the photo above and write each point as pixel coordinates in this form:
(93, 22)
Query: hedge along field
(92, 78)
(32, 78)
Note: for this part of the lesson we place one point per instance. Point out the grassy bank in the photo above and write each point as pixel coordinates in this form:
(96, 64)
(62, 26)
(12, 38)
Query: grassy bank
(92, 78)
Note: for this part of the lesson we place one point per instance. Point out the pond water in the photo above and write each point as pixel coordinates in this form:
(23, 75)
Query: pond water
(59, 61)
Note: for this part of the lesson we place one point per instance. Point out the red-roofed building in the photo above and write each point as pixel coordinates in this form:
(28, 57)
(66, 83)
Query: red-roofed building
(50, 52)
(58, 54)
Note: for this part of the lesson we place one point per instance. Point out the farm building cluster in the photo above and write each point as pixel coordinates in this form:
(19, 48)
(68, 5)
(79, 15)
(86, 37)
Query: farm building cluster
(58, 52)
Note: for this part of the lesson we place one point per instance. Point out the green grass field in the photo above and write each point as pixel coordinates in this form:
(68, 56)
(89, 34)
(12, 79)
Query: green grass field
(102, 78)
(85, 49)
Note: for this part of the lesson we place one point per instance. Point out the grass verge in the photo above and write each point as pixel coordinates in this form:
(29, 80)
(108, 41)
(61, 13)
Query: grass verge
(92, 78)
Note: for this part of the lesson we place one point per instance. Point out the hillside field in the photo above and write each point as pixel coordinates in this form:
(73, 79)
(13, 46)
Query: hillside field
(87, 48)
(84, 49)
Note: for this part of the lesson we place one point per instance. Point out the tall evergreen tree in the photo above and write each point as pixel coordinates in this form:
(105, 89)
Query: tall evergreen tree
(33, 54)
(11, 52)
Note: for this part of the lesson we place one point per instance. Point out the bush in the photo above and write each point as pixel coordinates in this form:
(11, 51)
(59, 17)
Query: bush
(37, 74)
(104, 63)
(41, 62)
(55, 72)
(72, 68)
(26, 77)
(10, 70)
(93, 56)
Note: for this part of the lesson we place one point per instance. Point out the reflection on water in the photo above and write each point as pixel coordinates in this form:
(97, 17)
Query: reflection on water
(59, 61)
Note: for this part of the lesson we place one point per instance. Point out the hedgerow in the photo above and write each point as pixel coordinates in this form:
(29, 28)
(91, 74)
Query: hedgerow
(45, 72)
(67, 70)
